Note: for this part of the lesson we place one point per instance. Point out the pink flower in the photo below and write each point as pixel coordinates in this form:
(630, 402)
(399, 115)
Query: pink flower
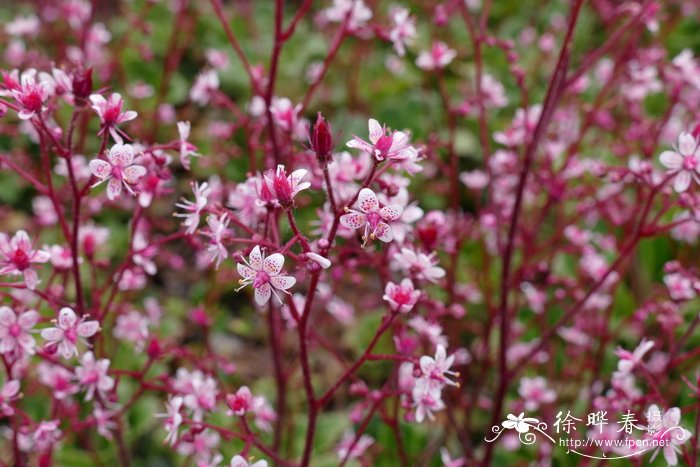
(346, 449)
(286, 187)
(374, 219)
(447, 461)
(92, 375)
(240, 402)
(667, 432)
(384, 144)
(240, 461)
(46, 435)
(119, 169)
(132, 327)
(535, 392)
(173, 418)
(104, 422)
(439, 56)
(69, 331)
(339, 10)
(58, 379)
(438, 368)
(9, 393)
(216, 231)
(17, 256)
(186, 148)
(680, 287)
(427, 398)
(419, 265)
(194, 208)
(204, 86)
(403, 29)
(29, 94)
(284, 114)
(628, 360)
(199, 391)
(264, 273)
(401, 297)
(684, 162)
(15, 330)
(111, 114)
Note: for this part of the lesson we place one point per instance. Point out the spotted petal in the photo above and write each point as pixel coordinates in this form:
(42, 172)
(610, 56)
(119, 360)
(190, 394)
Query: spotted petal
(114, 189)
(255, 258)
(283, 282)
(28, 319)
(383, 232)
(245, 271)
(262, 294)
(100, 169)
(121, 155)
(368, 201)
(133, 173)
(391, 212)
(273, 264)
(399, 140)
(353, 220)
(31, 279)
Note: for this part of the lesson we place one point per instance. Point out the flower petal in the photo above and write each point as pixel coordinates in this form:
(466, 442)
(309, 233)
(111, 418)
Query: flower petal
(88, 328)
(360, 144)
(262, 294)
(28, 319)
(353, 220)
(133, 173)
(7, 316)
(100, 169)
(114, 189)
(52, 334)
(686, 144)
(121, 155)
(273, 264)
(245, 271)
(283, 282)
(672, 417)
(66, 318)
(368, 201)
(682, 181)
(375, 131)
(391, 212)
(383, 232)
(255, 258)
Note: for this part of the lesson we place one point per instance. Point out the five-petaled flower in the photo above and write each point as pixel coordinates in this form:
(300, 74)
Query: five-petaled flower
(15, 330)
(265, 275)
(374, 219)
(385, 144)
(92, 375)
(401, 297)
(18, 254)
(240, 402)
(119, 169)
(193, 209)
(68, 331)
(438, 368)
(111, 114)
(684, 162)
(439, 56)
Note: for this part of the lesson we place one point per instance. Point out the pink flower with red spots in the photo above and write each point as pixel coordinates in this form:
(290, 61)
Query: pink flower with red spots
(264, 273)
(119, 169)
(30, 94)
(17, 256)
(374, 219)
